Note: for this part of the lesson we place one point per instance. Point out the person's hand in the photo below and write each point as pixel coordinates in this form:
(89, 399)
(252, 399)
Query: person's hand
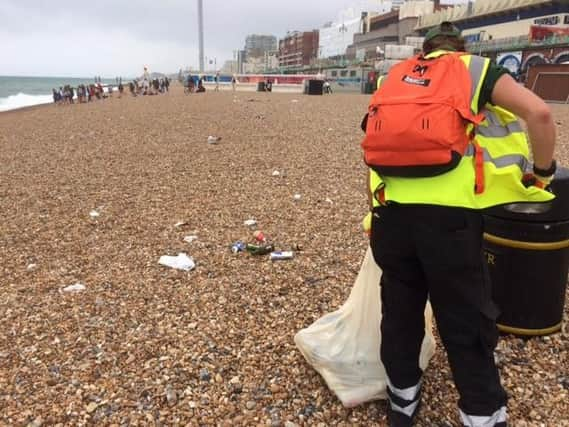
(531, 179)
(366, 223)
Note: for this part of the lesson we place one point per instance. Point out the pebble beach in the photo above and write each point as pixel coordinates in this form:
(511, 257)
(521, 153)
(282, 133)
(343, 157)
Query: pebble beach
(95, 194)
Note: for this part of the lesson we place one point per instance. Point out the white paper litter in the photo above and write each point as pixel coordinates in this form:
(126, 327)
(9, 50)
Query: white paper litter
(213, 139)
(94, 214)
(77, 287)
(180, 224)
(190, 239)
(180, 262)
(31, 267)
(297, 197)
(250, 222)
(328, 200)
(276, 173)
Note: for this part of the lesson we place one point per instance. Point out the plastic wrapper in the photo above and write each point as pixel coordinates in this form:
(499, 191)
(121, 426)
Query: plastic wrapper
(343, 346)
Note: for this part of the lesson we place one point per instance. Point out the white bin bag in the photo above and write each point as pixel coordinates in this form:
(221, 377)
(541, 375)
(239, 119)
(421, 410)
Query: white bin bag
(343, 346)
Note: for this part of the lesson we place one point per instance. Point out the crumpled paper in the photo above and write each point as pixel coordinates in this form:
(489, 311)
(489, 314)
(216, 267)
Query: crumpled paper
(180, 262)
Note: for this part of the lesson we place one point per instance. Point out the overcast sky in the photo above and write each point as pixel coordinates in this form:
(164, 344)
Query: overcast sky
(118, 37)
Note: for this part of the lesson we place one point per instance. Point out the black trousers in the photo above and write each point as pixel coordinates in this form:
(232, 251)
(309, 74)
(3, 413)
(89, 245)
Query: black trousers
(436, 252)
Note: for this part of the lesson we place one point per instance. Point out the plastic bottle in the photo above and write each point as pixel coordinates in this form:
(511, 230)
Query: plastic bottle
(259, 249)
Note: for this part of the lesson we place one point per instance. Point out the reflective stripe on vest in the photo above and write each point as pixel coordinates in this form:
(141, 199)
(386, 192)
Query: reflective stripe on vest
(495, 129)
(500, 162)
(477, 67)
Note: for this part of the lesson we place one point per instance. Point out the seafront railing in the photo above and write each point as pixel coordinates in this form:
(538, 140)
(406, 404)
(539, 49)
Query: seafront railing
(516, 43)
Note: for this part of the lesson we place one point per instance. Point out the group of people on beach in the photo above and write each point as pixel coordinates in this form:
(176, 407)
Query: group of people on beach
(83, 93)
(149, 86)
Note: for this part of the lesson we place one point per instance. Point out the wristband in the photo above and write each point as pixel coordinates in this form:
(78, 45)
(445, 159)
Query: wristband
(546, 172)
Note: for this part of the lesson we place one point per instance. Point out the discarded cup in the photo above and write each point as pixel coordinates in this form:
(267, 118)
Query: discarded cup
(260, 236)
(281, 255)
(238, 246)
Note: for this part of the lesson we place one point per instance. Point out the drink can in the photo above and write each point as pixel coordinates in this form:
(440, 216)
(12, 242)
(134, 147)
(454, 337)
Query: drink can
(281, 255)
(238, 246)
(259, 236)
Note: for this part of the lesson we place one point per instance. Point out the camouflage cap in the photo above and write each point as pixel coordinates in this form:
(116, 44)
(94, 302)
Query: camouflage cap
(443, 29)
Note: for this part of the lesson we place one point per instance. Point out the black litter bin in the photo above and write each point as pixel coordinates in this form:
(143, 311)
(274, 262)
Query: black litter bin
(261, 87)
(368, 88)
(315, 87)
(527, 253)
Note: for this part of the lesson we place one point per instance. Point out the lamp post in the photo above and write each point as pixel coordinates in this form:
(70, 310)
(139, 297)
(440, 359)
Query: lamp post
(482, 32)
(343, 29)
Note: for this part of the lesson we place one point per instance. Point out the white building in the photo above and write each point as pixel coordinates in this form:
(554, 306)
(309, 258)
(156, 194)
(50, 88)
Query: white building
(336, 36)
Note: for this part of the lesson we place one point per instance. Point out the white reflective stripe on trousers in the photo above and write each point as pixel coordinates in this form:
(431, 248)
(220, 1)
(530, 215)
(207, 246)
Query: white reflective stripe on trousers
(499, 416)
(408, 394)
(408, 410)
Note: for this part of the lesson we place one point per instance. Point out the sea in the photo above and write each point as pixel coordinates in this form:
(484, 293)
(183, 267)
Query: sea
(17, 92)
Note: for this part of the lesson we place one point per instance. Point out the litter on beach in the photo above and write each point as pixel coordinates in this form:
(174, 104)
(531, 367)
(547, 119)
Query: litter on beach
(297, 197)
(276, 173)
(190, 239)
(94, 214)
(213, 139)
(250, 223)
(180, 224)
(180, 262)
(77, 287)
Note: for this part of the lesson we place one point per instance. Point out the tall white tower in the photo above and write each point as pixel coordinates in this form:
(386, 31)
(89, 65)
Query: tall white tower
(200, 31)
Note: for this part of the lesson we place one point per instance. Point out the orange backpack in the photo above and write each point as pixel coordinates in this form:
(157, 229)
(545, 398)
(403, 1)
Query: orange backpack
(417, 119)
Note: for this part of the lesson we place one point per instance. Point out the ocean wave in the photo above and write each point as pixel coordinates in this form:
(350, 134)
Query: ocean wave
(20, 100)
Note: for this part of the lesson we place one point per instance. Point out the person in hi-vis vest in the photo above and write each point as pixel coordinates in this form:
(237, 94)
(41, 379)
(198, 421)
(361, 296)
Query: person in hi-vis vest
(442, 143)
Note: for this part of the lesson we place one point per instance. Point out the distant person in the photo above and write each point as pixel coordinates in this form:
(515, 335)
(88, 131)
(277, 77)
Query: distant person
(167, 84)
(55, 96)
(145, 81)
(216, 78)
(269, 85)
(201, 87)
(327, 87)
(189, 84)
(121, 88)
(233, 82)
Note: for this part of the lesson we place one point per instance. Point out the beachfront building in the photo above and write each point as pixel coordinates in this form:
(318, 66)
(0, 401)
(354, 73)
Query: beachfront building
(335, 37)
(298, 49)
(396, 27)
(261, 64)
(256, 45)
(517, 33)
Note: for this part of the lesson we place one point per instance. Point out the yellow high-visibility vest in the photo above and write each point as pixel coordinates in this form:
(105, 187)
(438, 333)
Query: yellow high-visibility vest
(504, 146)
